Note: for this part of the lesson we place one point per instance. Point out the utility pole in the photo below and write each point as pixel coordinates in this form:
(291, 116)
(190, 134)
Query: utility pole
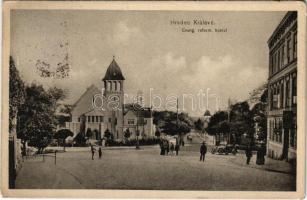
(137, 130)
(177, 125)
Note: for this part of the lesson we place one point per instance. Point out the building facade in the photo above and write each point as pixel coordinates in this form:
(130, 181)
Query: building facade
(102, 110)
(282, 90)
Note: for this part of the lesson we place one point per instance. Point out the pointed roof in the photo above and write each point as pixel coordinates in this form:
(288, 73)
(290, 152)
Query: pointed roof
(207, 113)
(113, 72)
(84, 103)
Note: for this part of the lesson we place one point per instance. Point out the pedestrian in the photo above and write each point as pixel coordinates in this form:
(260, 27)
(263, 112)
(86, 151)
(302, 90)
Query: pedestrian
(166, 147)
(248, 153)
(162, 152)
(172, 148)
(93, 151)
(260, 155)
(177, 148)
(99, 152)
(203, 151)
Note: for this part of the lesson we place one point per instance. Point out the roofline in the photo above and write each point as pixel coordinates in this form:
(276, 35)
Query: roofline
(104, 79)
(280, 25)
(74, 105)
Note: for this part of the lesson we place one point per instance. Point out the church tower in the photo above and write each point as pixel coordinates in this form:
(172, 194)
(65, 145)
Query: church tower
(114, 99)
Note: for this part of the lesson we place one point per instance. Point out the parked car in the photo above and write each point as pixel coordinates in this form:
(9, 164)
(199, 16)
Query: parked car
(224, 148)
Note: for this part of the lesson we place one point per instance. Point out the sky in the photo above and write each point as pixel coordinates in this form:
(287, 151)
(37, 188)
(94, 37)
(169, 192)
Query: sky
(151, 52)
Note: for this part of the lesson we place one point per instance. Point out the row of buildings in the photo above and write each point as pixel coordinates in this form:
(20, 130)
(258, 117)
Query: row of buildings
(282, 90)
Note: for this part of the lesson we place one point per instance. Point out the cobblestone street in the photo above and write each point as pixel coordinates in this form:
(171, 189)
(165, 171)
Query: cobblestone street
(128, 168)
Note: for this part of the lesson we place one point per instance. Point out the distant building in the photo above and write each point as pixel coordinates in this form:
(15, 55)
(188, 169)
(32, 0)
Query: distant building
(118, 120)
(282, 90)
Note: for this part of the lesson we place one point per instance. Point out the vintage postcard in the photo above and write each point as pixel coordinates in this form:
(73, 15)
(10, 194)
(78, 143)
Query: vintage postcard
(154, 99)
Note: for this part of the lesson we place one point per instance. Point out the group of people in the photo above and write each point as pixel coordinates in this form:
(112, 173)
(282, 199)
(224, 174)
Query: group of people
(167, 147)
(93, 152)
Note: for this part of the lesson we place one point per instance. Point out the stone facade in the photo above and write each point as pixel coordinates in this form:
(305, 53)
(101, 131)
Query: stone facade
(282, 90)
(113, 114)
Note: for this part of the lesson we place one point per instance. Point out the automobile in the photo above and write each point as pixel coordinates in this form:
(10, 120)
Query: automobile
(189, 137)
(224, 148)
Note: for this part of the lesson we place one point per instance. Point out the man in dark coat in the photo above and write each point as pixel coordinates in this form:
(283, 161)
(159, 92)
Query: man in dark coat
(260, 155)
(167, 147)
(203, 151)
(93, 151)
(162, 152)
(177, 148)
(249, 154)
(100, 152)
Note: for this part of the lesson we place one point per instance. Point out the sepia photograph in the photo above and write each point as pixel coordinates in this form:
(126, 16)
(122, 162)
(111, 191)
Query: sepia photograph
(154, 100)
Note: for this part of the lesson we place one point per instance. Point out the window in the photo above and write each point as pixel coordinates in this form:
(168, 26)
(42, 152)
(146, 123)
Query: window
(295, 45)
(278, 60)
(271, 99)
(115, 86)
(115, 121)
(93, 118)
(130, 121)
(88, 118)
(110, 120)
(97, 119)
(294, 88)
(274, 63)
(288, 49)
(276, 98)
(79, 119)
(101, 118)
(282, 55)
(281, 95)
(287, 93)
(271, 66)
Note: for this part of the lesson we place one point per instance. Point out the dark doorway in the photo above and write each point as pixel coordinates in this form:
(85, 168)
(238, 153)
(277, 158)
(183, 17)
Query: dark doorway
(285, 144)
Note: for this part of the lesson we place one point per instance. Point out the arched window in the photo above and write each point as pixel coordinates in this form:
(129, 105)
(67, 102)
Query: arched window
(115, 84)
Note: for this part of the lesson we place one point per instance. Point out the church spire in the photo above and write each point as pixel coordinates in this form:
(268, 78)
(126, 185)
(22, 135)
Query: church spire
(113, 72)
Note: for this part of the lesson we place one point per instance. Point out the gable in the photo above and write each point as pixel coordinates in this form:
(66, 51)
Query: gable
(84, 103)
(130, 114)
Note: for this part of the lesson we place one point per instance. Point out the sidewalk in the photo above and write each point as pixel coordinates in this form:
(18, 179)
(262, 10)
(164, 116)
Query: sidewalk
(279, 166)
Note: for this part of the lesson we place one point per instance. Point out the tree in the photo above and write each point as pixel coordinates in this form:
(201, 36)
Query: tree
(127, 133)
(80, 139)
(62, 134)
(89, 133)
(259, 115)
(199, 125)
(167, 122)
(108, 135)
(16, 92)
(214, 126)
(256, 94)
(241, 120)
(157, 133)
(37, 117)
(172, 128)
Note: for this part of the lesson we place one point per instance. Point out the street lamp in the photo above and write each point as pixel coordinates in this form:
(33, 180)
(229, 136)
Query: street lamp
(137, 130)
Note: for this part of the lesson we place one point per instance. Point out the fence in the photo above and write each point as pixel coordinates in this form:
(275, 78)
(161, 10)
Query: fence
(43, 156)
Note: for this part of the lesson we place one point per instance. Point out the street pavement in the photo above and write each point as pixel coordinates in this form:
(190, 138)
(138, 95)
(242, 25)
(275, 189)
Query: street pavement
(128, 168)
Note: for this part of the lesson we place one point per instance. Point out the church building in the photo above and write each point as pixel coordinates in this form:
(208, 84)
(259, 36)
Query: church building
(113, 116)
